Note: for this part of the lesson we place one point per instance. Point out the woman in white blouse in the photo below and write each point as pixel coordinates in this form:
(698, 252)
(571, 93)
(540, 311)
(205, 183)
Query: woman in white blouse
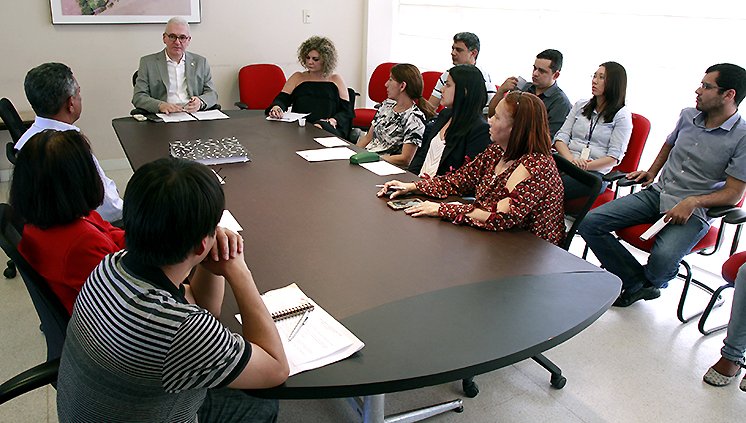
(596, 132)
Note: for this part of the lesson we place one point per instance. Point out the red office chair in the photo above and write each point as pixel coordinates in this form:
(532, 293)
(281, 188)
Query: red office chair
(429, 79)
(258, 85)
(708, 245)
(629, 163)
(376, 92)
(729, 272)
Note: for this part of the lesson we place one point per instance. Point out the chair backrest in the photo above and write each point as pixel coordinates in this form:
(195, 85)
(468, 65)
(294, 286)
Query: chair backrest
(640, 131)
(430, 79)
(377, 84)
(15, 125)
(258, 84)
(590, 180)
(12, 119)
(52, 313)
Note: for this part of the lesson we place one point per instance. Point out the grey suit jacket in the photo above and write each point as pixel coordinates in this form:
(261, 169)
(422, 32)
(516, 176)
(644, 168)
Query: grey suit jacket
(151, 88)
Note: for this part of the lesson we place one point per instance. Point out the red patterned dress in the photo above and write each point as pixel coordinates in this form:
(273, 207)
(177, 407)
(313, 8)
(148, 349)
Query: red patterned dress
(536, 203)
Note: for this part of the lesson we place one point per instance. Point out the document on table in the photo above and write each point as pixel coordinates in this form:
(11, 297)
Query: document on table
(210, 115)
(289, 117)
(331, 141)
(382, 168)
(321, 340)
(176, 117)
(229, 222)
(323, 154)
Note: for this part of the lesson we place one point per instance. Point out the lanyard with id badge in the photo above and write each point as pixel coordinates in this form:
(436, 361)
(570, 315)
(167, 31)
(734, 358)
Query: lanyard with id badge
(585, 153)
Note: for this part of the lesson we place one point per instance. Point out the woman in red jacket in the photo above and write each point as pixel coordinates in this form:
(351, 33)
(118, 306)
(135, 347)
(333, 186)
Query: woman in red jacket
(56, 188)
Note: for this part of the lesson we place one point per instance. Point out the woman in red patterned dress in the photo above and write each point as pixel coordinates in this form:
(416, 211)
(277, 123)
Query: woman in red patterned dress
(515, 180)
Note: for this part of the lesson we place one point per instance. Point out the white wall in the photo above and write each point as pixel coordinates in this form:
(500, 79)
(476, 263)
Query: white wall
(103, 58)
(665, 45)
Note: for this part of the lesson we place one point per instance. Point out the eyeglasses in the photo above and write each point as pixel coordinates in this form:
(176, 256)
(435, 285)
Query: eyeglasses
(599, 77)
(705, 86)
(182, 38)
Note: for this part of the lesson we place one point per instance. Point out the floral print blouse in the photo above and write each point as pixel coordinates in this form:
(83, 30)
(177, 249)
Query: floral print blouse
(536, 203)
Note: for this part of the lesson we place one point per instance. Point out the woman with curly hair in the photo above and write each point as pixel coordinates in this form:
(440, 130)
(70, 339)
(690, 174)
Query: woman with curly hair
(317, 91)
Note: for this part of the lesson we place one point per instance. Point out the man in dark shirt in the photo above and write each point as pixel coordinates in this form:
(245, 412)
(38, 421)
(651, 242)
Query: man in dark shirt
(543, 83)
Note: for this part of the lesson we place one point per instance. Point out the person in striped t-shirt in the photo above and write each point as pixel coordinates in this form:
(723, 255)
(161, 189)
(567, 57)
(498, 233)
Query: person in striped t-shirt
(143, 343)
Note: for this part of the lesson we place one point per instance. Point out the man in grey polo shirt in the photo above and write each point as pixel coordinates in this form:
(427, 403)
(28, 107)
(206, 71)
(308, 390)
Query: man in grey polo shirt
(547, 67)
(702, 164)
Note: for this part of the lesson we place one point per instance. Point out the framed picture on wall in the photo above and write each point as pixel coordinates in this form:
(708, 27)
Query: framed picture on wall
(123, 11)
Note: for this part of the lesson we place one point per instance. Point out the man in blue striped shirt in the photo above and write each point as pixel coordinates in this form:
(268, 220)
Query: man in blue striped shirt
(143, 343)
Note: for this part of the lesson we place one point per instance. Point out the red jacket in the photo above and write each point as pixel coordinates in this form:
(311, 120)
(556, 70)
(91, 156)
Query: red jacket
(66, 255)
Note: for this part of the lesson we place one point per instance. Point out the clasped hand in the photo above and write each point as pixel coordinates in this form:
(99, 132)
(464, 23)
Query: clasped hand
(227, 250)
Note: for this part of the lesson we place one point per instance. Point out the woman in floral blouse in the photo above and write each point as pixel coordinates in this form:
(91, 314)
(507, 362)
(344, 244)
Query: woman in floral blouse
(515, 180)
(396, 130)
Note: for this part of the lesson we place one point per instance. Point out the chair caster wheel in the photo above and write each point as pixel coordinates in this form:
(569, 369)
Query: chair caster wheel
(459, 410)
(10, 272)
(558, 381)
(471, 389)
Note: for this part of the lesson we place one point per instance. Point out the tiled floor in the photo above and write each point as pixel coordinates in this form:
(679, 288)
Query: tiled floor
(637, 364)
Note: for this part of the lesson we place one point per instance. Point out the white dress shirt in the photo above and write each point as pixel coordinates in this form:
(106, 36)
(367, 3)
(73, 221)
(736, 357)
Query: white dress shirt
(111, 210)
(177, 86)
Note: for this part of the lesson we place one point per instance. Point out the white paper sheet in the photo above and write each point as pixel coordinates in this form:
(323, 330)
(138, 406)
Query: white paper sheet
(176, 117)
(331, 142)
(289, 117)
(382, 168)
(210, 115)
(229, 222)
(323, 154)
(322, 339)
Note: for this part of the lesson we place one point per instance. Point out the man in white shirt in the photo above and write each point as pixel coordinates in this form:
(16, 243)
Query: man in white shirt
(54, 94)
(174, 80)
(464, 51)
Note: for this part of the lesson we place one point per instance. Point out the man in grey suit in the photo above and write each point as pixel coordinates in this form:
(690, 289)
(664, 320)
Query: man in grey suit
(174, 80)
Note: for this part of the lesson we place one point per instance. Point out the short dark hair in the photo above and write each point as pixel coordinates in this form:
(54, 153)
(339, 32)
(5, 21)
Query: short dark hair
(730, 77)
(48, 86)
(469, 39)
(170, 206)
(555, 56)
(469, 98)
(55, 180)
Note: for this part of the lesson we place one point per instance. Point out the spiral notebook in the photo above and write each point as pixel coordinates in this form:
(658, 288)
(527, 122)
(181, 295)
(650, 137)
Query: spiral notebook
(322, 340)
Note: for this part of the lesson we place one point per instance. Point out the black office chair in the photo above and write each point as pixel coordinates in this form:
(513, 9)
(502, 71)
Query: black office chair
(52, 313)
(593, 182)
(588, 179)
(139, 111)
(15, 125)
(16, 128)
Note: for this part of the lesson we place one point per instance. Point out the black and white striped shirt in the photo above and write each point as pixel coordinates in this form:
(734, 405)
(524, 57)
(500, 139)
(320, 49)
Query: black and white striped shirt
(137, 351)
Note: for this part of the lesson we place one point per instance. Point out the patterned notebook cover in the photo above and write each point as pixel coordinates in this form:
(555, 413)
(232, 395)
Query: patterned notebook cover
(210, 151)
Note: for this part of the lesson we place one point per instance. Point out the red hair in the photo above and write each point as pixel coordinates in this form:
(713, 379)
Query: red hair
(530, 133)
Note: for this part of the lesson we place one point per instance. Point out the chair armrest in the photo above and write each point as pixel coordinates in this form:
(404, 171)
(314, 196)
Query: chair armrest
(614, 175)
(33, 378)
(627, 182)
(735, 217)
(720, 211)
(241, 105)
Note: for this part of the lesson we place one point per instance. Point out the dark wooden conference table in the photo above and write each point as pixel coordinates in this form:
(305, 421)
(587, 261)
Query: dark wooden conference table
(433, 302)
